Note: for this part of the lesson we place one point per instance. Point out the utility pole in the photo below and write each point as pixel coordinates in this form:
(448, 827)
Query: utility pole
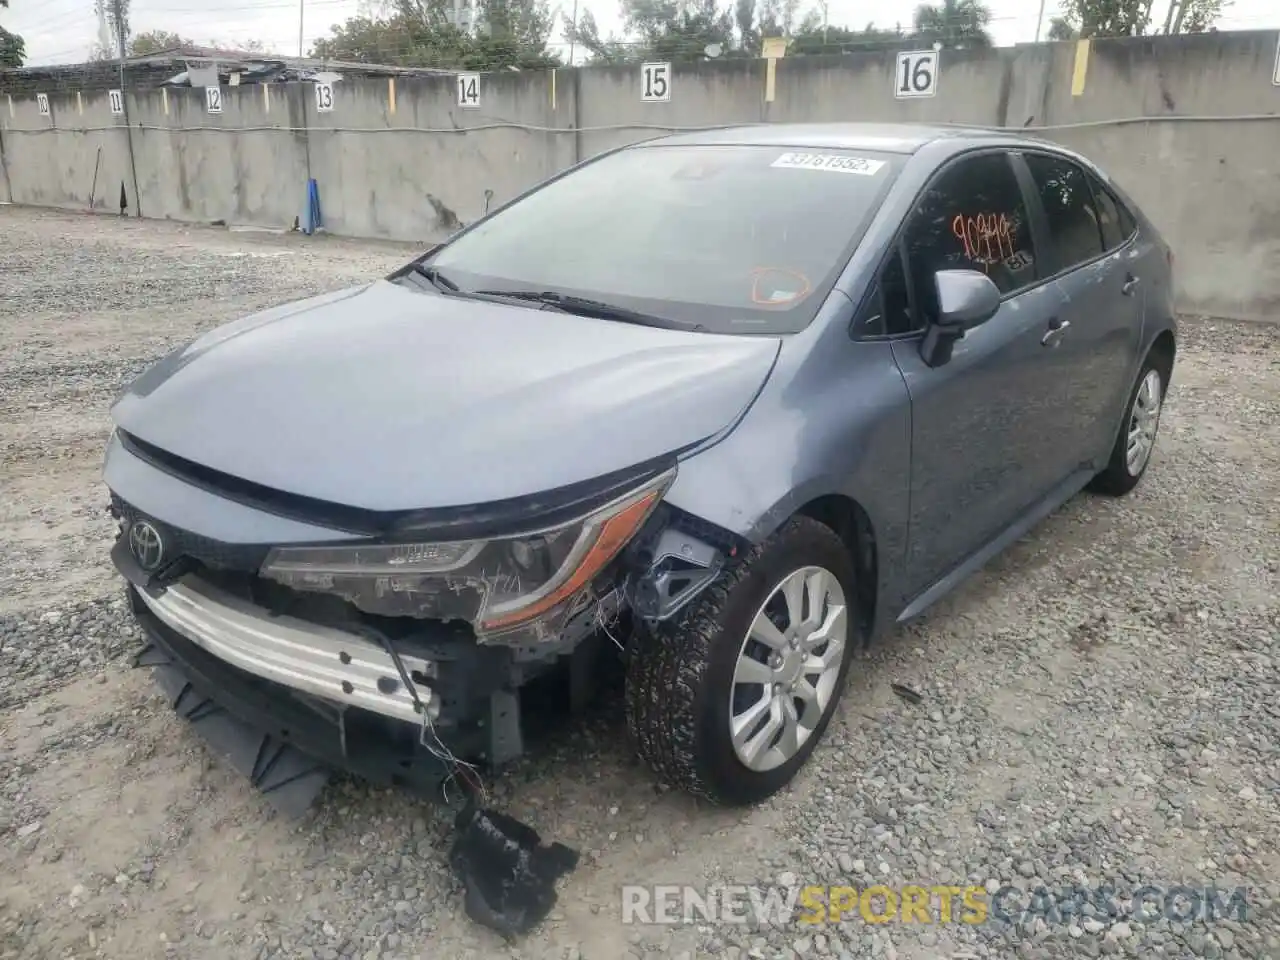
(573, 34)
(301, 7)
(117, 14)
(118, 8)
(1039, 21)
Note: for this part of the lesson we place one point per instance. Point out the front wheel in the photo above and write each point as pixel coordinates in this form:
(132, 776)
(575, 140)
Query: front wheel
(1137, 439)
(729, 700)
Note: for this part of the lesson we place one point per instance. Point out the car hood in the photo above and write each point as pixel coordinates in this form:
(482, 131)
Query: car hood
(385, 398)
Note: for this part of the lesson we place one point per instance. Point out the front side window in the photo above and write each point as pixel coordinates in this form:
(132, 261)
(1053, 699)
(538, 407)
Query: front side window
(972, 217)
(733, 238)
(1075, 227)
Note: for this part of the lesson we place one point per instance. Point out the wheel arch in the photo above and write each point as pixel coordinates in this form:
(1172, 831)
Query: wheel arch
(1163, 351)
(852, 523)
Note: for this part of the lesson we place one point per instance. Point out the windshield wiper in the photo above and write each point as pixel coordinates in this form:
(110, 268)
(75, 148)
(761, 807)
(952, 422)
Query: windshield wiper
(435, 277)
(583, 306)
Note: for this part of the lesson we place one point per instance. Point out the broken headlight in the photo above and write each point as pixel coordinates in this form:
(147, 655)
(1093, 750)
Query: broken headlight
(498, 585)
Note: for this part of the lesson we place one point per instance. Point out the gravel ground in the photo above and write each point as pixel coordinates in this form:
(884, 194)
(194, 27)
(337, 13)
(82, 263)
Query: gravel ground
(1101, 705)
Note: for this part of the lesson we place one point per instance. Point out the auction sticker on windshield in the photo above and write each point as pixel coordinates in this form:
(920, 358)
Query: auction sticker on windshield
(830, 162)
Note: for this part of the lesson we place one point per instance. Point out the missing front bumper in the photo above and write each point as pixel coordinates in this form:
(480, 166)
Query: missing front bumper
(288, 742)
(336, 665)
(288, 745)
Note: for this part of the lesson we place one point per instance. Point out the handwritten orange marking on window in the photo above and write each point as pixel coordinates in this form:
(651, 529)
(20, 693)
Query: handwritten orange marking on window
(759, 297)
(987, 237)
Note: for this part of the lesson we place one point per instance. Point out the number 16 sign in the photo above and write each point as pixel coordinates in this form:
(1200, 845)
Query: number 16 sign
(917, 74)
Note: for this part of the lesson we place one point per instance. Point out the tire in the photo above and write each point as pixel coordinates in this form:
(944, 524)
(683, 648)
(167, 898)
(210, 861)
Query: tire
(1120, 475)
(680, 689)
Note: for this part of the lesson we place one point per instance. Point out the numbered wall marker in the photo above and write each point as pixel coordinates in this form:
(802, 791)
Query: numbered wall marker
(116, 99)
(42, 104)
(324, 97)
(916, 75)
(655, 82)
(213, 99)
(468, 89)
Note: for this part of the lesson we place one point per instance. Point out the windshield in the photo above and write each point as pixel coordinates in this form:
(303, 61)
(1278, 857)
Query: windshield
(735, 239)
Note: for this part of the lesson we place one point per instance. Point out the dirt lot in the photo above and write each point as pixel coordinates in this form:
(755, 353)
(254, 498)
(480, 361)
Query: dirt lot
(1101, 705)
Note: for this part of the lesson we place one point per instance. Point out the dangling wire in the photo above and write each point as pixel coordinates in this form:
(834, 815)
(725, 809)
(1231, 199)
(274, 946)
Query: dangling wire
(603, 622)
(428, 736)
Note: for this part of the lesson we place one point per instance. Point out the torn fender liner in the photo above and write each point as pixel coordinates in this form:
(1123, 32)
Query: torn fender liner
(288, 778)
(509, 876)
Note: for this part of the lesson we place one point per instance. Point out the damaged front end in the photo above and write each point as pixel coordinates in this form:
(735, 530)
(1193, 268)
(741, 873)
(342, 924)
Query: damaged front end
(401, 654)
(514, 590)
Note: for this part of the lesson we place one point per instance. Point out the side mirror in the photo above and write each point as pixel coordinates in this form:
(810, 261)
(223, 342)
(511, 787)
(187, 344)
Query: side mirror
(966, 299)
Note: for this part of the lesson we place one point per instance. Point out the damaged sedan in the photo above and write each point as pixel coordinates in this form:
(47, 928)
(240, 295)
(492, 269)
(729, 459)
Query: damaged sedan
(732, 403)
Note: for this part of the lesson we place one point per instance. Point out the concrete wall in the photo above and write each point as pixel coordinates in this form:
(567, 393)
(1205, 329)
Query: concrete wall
(50, 161)
(1212, 187)
(247, 164)
(418, 172)
(402, 160)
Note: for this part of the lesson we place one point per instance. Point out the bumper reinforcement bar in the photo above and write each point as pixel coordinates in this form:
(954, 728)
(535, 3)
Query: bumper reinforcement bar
(335, 665)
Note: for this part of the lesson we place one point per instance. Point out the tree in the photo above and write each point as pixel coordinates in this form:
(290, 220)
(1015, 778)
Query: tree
(813, 37)
(418, 33)
(677, 29)
(13, 51)
(1060, 29)
(1132, 18)
(1107, 18)
(586, 33)
(954, 23)
(154, 41)
(1193, 16)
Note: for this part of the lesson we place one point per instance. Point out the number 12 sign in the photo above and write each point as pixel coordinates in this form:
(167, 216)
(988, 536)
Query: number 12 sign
(917, 74)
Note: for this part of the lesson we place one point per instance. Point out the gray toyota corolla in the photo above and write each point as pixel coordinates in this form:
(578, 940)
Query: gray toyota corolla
(735, 402)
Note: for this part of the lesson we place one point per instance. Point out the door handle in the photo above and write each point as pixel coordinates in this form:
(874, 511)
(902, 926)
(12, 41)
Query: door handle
(1130, 284)
(1057, 327)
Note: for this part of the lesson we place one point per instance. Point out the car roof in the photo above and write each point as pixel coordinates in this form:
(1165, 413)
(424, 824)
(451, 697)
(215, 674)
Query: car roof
(886, 137)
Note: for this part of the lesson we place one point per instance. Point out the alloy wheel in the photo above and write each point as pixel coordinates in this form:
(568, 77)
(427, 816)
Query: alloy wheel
(1144, 420)
(787, 668)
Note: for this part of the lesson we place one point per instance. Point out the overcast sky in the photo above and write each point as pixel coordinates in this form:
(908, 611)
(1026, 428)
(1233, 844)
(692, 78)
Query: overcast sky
(60, 31)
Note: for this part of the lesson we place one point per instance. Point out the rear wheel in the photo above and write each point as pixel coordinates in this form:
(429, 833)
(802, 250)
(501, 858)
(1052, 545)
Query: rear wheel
(729, 700)
(1137, 439)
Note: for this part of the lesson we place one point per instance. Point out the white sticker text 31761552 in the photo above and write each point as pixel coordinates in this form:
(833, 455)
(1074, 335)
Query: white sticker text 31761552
(830, 163)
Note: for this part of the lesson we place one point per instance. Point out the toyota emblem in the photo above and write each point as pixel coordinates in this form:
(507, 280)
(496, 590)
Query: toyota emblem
(146, 545)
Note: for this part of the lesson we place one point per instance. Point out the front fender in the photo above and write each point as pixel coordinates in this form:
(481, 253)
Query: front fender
(833, 420)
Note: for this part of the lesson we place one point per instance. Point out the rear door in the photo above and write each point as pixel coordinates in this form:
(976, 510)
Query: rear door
(984, 425)
(1097, 330)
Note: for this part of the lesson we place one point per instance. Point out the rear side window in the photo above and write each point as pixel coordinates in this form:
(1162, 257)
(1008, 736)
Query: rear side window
(1075, 226)
(972, 217)
(1117, 222)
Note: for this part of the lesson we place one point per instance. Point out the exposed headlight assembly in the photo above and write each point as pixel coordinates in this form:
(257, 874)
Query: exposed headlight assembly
(527, 582)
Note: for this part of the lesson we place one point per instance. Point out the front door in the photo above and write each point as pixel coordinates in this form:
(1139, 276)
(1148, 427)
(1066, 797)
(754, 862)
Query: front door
(986, 424)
